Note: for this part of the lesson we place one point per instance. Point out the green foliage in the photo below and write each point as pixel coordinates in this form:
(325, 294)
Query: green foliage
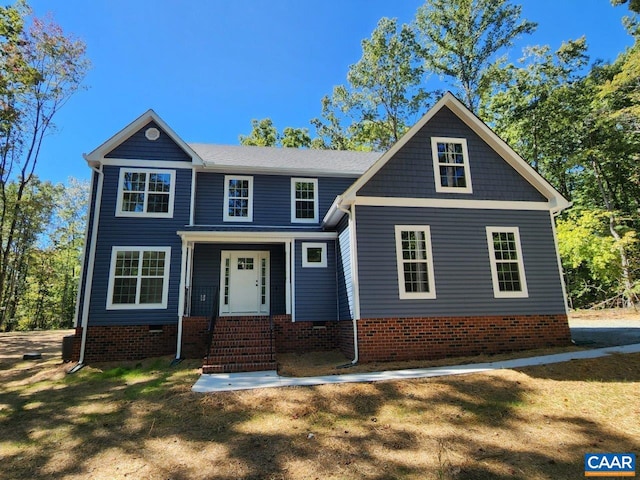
(462, 40)
(383, 97)
(264, 134)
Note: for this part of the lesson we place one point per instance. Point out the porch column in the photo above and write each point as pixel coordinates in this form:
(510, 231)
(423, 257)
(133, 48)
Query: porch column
(185, 282)
(287, 281)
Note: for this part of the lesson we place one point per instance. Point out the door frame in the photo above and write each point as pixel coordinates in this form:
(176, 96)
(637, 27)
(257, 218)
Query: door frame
(264, 281)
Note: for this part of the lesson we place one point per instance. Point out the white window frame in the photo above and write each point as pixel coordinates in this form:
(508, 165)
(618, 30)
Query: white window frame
(314, 181)
(465, 165)
(138, 305)
(497, 293)
(323, 255)
(225, 205)
(144, 213)
(404, 295)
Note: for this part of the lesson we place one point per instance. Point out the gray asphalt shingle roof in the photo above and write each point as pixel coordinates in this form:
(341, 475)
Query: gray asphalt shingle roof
(275, 158)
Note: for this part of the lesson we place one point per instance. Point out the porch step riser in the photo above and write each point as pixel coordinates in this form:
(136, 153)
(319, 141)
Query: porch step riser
(241, 343)
(249, 358)
(239, 367)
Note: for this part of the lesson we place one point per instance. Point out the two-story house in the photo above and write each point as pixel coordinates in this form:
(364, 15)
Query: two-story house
(442, 246)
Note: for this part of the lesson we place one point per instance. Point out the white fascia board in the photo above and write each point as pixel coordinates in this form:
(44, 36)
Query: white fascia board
(296, 172)
(451, 203)
(334, 214)
(253, 237)
(98, 154)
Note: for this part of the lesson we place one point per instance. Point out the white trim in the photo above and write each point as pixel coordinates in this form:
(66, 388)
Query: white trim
(354, 264)
(255, 237)
(559, 260)
(450, 203)
(192, 204)
(316, 201)
(98, 154)
(144, 213)
(127, 162)
(181, 296)
(138, 305)
(436, 165)
(287, 281)
(308, 172)
(400, 261)
(88, 285)
(323, 255)
(497, 293)
(556, 200)
(293, 281)
(225, 204)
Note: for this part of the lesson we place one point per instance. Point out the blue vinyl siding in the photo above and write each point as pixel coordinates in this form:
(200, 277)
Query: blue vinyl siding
(206, 269)
(315, 288)
(344, 277)
(126, 231)
(461, 263)
(410, 172)
(271, 198)
(138, 147)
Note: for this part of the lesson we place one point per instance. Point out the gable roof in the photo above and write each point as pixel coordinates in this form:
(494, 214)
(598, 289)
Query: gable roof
(556, 201)
(99, 153)
(239, 158)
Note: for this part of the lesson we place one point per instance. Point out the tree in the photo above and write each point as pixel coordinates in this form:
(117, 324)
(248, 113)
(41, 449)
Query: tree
(384, 95)
(40, 68)
(461, 39)
(264, 134)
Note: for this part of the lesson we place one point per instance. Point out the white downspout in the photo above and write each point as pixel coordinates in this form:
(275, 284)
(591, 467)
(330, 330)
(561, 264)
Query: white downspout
(356, 352)
(89, 278)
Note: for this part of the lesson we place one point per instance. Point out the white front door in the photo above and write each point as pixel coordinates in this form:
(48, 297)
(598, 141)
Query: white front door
(245, 283)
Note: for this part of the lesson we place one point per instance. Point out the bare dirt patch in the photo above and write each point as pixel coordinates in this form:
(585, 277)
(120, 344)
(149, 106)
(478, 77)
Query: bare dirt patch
(140, 420)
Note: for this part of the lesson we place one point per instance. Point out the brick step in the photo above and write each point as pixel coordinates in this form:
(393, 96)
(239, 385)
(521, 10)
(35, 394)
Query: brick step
(251, 335)
(240, 343)
(238, 350)
(239, 367)
(237, 358)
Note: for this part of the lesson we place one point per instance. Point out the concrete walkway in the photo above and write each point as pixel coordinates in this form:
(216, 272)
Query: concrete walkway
(250, 380)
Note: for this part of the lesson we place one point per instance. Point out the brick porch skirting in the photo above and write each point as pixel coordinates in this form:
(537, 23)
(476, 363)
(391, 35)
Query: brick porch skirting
(390, 339)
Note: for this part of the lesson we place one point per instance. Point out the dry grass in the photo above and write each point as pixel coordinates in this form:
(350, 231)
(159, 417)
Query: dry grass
(142, 421)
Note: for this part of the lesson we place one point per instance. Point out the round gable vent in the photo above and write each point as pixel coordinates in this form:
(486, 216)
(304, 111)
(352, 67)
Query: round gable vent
(152, 134)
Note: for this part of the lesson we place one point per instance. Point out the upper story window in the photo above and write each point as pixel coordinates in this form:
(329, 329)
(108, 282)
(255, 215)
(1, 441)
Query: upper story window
(451, 165)
(139, 277)
(507, 267)
(238, 199)
(146, 193)
(415, 262)
(304, 200)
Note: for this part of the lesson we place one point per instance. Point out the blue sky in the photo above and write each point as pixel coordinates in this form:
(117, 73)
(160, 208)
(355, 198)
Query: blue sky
(208, 67)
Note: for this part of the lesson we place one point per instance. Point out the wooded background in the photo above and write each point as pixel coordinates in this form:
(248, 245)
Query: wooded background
(575, 121)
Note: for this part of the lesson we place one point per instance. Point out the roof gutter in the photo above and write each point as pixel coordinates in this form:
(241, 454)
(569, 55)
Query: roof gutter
(97, 168)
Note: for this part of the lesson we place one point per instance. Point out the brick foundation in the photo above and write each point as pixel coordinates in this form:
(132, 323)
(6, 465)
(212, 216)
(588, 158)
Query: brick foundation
(391, 339)
(379, 339)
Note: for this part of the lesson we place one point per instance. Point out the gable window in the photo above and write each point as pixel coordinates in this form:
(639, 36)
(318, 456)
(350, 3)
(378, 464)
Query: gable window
(507, 267)
(304, 200)
(238, 199)
(139, 278)
(415, 262)
(145, 193)
(314, 255)
(451, 165)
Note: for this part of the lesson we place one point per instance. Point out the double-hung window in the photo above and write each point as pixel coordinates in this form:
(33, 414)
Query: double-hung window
(238, 199)
(451, 165)
(415, 262)
(304, 200)
(139, 278)
(507, 267)
(146, 193)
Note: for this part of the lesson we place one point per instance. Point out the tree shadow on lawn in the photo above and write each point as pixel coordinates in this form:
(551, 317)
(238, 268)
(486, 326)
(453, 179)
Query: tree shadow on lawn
(141, 420)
